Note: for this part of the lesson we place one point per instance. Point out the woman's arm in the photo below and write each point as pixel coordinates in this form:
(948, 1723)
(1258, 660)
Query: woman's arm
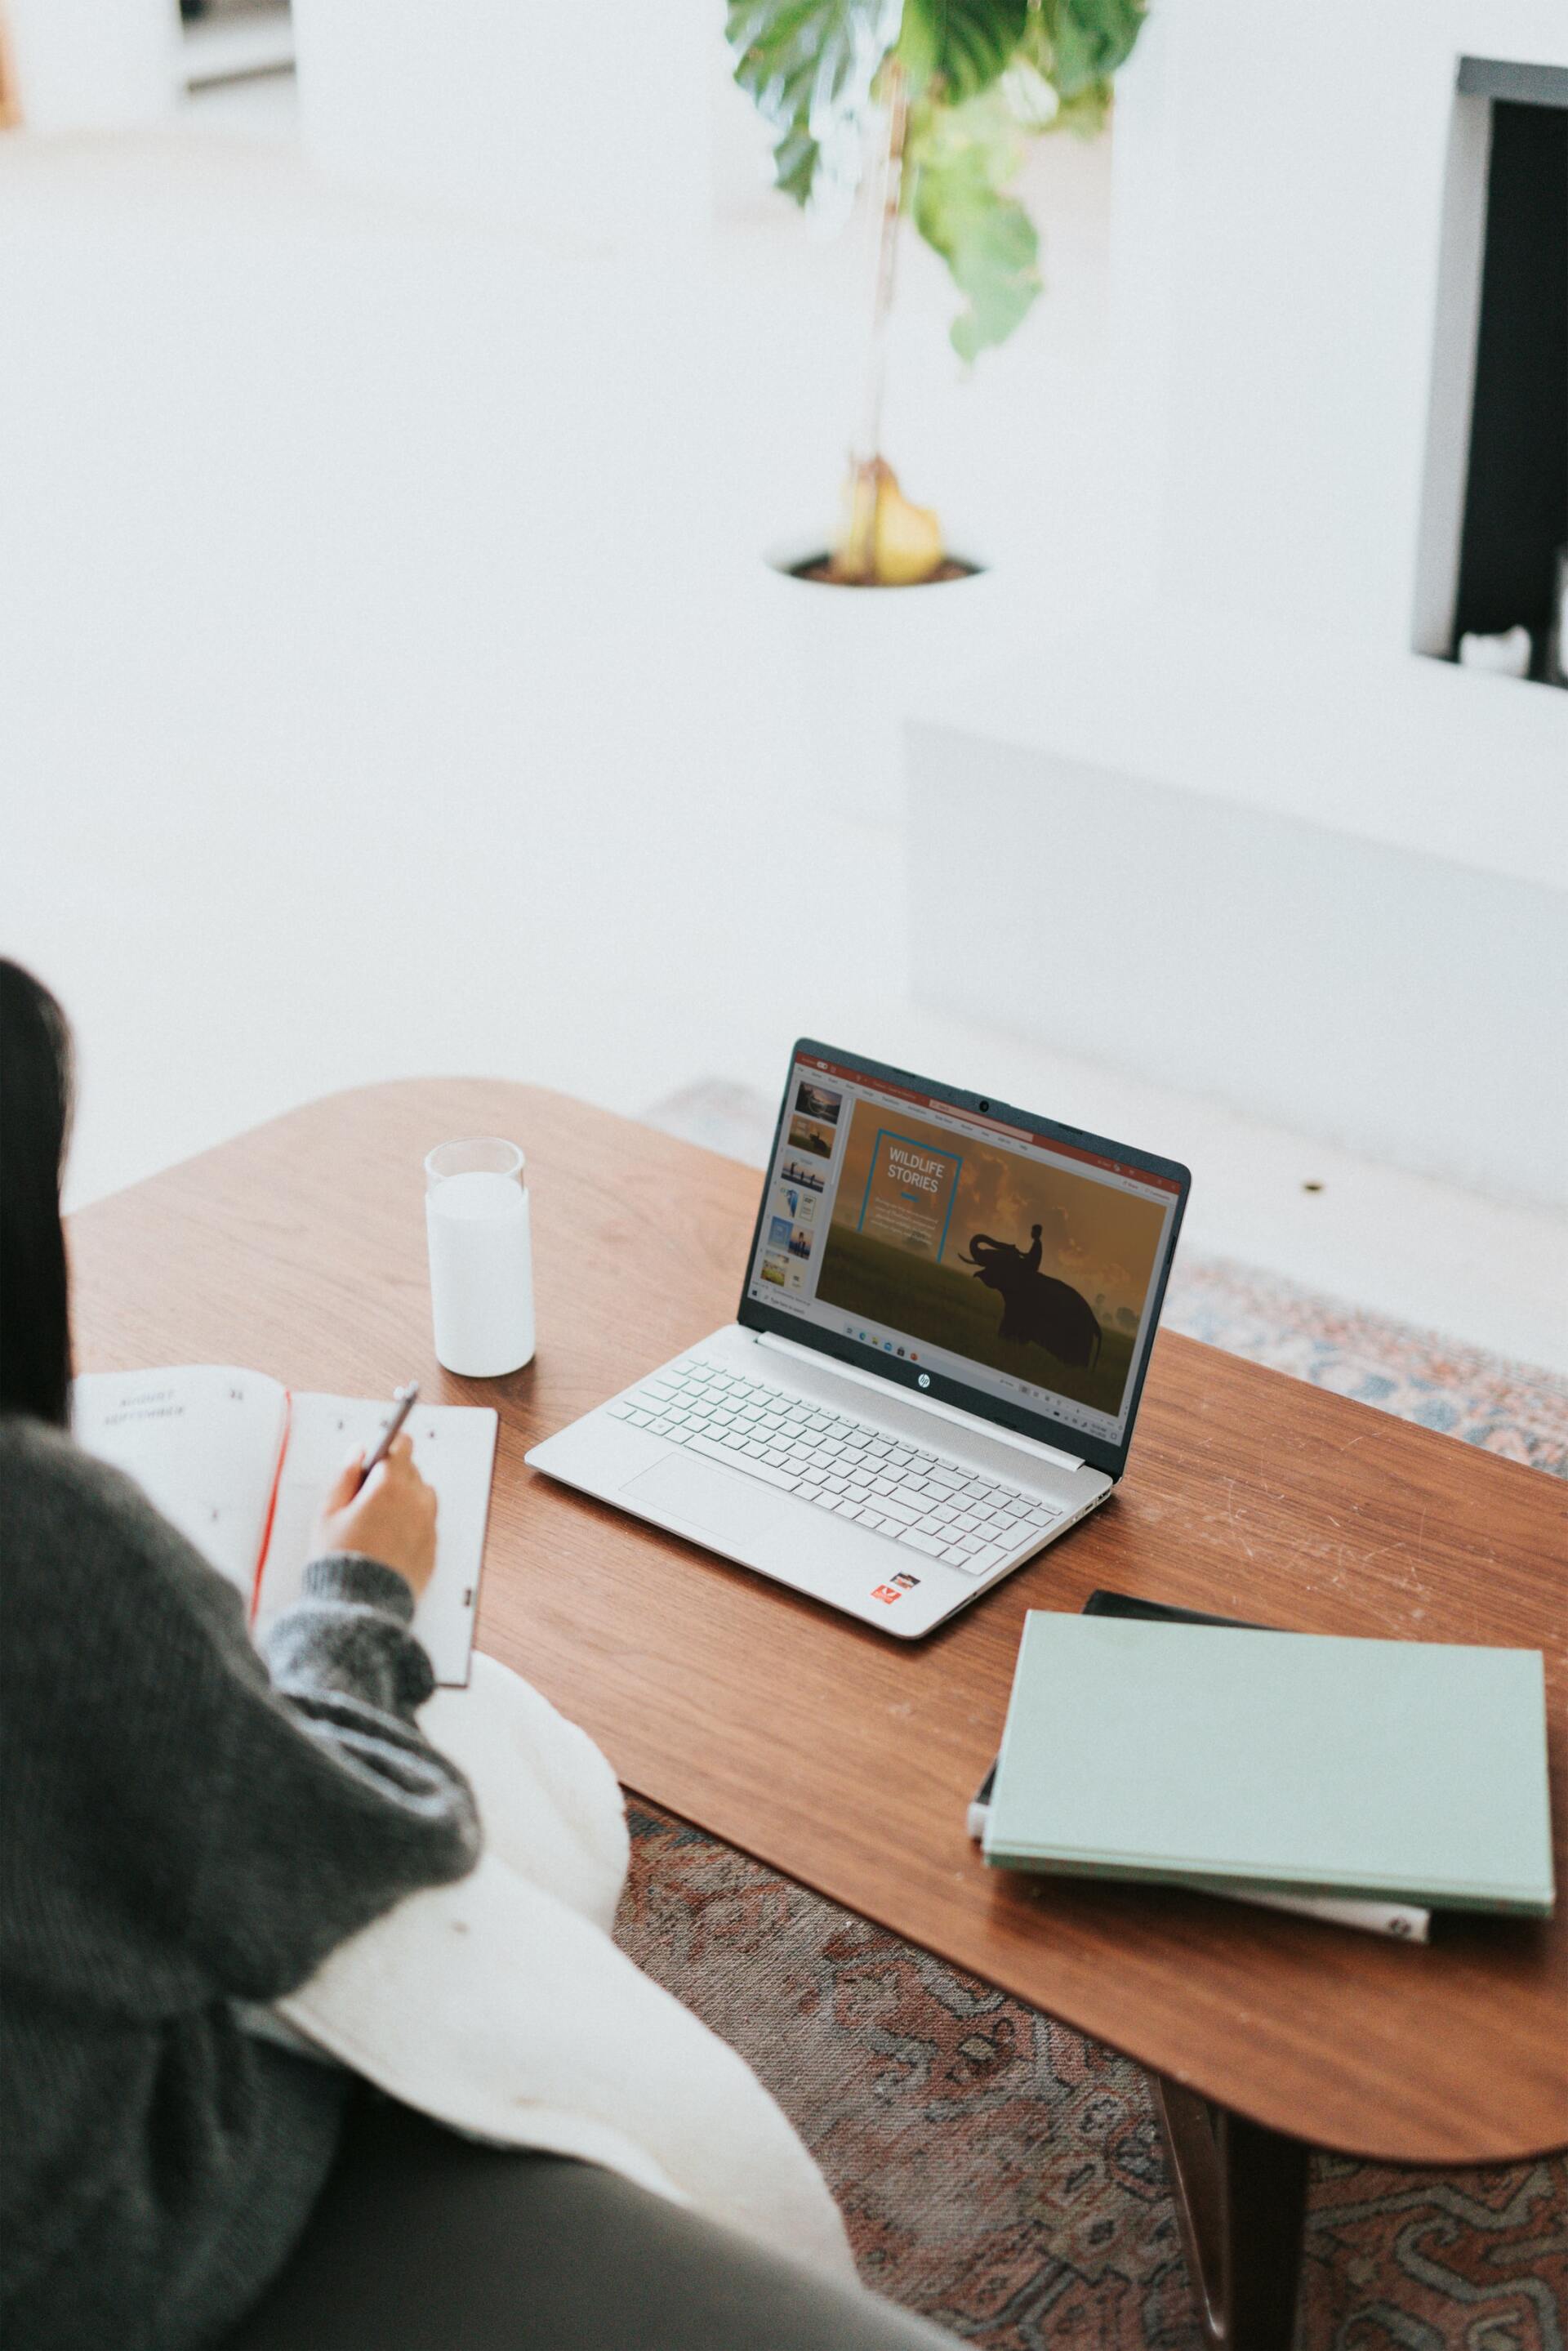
(335, 1804)
(344, 1659)
(243, 1822)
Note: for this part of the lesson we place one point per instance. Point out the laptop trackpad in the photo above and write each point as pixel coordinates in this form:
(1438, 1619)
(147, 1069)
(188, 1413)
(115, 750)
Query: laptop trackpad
(718, 1500)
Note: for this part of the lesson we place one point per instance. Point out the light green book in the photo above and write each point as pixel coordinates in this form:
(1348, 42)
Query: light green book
(1294, 1763)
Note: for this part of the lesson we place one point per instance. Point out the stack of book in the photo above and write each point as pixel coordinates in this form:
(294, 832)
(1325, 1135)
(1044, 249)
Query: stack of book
(1371, 1782)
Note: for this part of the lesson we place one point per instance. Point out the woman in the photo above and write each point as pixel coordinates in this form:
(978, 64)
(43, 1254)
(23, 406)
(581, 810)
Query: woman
(187, 1827)
(184, 1824)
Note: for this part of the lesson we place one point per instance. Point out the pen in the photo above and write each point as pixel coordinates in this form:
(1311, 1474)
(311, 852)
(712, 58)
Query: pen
(405, 1399)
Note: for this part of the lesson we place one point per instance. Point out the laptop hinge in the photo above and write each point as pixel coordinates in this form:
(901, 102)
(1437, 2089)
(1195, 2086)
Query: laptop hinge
(972, 1421)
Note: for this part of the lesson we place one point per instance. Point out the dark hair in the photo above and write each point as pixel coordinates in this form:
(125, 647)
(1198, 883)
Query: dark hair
(35, 1123)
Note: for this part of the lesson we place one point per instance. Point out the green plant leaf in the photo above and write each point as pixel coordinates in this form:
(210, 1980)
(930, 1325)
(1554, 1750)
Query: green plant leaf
(1078, 42)
(1031, 101)
(1086, 112)
(985, 235)
(808, 67)
(969, 43)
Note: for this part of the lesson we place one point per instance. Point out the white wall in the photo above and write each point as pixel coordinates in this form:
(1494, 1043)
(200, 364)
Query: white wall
(1256, 845)
(595, 125)
(1392, 1003)
(88, 64)
(1279, 217)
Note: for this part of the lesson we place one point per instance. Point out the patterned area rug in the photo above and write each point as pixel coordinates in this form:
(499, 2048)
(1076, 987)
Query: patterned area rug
(1000, 2173)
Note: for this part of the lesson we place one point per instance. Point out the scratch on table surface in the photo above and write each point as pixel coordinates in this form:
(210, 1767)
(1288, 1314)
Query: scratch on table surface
(1230, 1512)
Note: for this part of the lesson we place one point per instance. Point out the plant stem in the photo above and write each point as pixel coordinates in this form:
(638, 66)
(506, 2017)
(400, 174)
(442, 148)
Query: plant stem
(858, 560)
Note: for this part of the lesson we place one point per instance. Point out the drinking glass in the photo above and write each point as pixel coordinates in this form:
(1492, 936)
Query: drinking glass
(482, 1263)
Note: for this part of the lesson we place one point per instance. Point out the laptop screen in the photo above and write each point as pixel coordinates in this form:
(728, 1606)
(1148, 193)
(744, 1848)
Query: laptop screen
(1000, 1257)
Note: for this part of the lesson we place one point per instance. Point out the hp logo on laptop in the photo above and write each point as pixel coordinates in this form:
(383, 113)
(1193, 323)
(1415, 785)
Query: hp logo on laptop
(924, 1381)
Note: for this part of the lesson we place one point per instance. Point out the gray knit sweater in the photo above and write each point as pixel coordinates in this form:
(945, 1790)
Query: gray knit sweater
(183, 1827)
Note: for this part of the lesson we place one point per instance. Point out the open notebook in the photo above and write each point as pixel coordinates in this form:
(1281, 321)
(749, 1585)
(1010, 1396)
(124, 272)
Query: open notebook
(241, 1465)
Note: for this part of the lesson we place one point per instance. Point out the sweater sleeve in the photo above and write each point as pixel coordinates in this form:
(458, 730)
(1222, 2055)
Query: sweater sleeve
(337, 1805)
(242, 1821)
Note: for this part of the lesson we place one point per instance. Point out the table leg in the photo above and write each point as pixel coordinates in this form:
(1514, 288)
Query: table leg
(1241, 2192)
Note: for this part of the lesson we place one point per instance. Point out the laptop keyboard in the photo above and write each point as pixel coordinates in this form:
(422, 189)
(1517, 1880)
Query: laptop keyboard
(885, 1483)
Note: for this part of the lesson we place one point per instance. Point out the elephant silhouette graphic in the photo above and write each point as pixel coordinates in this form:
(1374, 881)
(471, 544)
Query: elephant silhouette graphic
(1034, 1306)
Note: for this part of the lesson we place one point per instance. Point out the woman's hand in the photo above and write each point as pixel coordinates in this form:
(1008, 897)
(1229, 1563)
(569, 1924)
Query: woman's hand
(392, 1518)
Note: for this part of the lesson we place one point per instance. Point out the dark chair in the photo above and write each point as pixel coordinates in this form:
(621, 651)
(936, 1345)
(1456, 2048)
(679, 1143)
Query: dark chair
(422, 2241)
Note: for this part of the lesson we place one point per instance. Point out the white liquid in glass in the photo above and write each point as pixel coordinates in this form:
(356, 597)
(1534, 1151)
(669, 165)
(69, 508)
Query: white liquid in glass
(482, 1274)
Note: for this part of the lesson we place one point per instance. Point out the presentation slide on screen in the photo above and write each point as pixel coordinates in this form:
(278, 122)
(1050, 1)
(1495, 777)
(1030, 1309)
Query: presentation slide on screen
(1002, 1257)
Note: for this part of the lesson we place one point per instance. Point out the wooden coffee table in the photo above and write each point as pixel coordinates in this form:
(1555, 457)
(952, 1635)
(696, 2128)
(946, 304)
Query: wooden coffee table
(846, 1759)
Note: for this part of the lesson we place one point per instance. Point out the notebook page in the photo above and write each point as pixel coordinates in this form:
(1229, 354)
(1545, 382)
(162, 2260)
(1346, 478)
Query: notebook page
(202, 1441)
(454, 1447)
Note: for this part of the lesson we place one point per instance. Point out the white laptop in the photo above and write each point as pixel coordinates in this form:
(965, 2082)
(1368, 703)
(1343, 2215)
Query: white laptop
(942, 1335)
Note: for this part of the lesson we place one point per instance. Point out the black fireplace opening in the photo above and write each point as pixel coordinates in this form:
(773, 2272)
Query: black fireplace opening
(1514, 532)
